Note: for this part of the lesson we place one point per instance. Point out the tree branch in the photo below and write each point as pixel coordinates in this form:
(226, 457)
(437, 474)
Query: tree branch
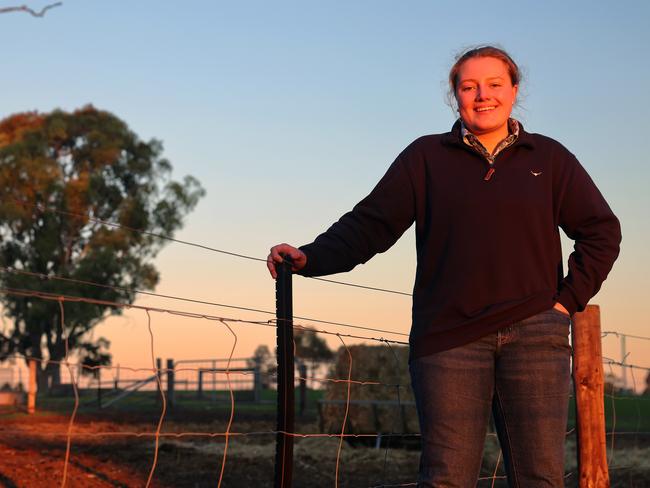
(25, 8)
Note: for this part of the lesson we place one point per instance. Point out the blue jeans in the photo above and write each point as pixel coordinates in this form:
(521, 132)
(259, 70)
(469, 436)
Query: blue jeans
(522, 374)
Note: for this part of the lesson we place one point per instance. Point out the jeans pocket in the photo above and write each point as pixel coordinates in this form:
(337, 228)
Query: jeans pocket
(559, 312)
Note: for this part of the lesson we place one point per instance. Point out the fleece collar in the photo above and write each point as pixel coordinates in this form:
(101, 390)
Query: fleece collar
(455, 136)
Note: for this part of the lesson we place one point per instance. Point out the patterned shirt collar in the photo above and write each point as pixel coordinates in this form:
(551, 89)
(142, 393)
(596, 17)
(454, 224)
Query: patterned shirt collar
(472, 141)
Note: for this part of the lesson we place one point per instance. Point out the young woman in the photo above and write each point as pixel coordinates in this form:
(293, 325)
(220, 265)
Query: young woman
(491, 303)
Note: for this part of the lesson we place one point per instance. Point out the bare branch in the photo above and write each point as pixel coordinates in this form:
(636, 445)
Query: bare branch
(25, 8)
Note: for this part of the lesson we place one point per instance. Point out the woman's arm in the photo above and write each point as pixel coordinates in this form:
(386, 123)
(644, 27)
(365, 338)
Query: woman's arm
(372, 226)
(585, 217)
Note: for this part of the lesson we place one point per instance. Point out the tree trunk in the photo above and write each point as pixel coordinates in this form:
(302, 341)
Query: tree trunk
(54, 375)
(56, 351)
(48, 377)
(41, 379)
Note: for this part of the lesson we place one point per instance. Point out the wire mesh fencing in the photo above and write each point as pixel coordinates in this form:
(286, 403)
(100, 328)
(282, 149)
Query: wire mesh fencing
(214, 421)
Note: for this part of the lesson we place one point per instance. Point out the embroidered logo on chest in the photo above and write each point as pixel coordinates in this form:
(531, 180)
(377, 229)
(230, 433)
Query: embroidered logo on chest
(535, 174)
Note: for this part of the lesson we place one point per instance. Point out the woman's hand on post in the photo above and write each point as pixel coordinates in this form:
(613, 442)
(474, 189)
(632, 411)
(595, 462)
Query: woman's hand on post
(275, 256)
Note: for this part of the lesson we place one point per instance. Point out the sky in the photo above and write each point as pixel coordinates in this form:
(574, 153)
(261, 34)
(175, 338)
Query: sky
(289, 113)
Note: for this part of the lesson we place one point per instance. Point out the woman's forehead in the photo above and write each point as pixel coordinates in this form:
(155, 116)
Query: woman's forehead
(482, 68)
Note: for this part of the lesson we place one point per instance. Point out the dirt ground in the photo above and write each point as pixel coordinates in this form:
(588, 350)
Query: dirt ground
(32, 454)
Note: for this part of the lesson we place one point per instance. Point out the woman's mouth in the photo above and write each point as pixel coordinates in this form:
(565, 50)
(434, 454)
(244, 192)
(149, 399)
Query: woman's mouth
(485, 109)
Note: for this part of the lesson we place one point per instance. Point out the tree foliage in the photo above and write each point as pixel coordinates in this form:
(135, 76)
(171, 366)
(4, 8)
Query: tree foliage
(63, 177)
(310, 346)
(265, 361)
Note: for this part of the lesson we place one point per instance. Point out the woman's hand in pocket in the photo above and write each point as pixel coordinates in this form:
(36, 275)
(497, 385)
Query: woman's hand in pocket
(560, 308)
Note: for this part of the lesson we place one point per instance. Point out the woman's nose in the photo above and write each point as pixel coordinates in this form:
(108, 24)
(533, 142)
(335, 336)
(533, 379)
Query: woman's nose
(482, 92)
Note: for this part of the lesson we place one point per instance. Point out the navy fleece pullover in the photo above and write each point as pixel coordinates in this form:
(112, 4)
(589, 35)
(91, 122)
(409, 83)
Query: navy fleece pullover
(488, 252)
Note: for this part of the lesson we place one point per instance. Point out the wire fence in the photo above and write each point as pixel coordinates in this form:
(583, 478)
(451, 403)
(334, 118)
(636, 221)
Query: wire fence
(390, 422)
(216, 415)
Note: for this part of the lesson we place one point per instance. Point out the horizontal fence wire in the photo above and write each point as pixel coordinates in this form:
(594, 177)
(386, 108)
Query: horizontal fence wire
(42, 276)
(182, 313)
(621, 334)
(86, 217)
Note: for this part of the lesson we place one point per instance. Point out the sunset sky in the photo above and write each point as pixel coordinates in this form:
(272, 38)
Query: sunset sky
(289, 113)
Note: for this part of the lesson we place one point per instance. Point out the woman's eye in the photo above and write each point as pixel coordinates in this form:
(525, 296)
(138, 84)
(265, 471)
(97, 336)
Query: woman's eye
(467, 88)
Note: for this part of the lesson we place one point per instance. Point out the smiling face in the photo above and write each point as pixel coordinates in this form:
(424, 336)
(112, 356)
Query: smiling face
(485, 96)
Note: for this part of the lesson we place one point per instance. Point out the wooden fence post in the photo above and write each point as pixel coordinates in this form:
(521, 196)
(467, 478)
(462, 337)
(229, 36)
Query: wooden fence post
(31, 392)
(588, 383)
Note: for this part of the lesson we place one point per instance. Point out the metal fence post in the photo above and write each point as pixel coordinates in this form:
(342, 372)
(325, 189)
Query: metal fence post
(159, 378)
(286, 394)
(257, 381)
(588, 382)
(170, 382)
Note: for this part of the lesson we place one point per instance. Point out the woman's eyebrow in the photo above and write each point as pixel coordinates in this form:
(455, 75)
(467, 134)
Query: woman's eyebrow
(472, 80)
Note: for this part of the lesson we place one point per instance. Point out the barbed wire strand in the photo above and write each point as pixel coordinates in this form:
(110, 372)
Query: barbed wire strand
(78, 216)
(43, 276)
(76, 396)
(611, 362)
(621, 334)
(345, 417)
(108, 303)
(163, 400)
(43, 208)
(232, 404)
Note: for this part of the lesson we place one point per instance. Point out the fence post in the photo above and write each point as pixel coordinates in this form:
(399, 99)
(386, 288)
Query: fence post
(588, 382)
(158, 379)
(302, 371)
(116, 381)
(200, 381)
(286, 394)
(214, 381)
(257, 380)
(31, 392)
(623, 361)
(170, 382)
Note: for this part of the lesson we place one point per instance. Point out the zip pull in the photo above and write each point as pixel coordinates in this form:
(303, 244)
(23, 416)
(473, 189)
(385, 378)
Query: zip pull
(489, 173)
